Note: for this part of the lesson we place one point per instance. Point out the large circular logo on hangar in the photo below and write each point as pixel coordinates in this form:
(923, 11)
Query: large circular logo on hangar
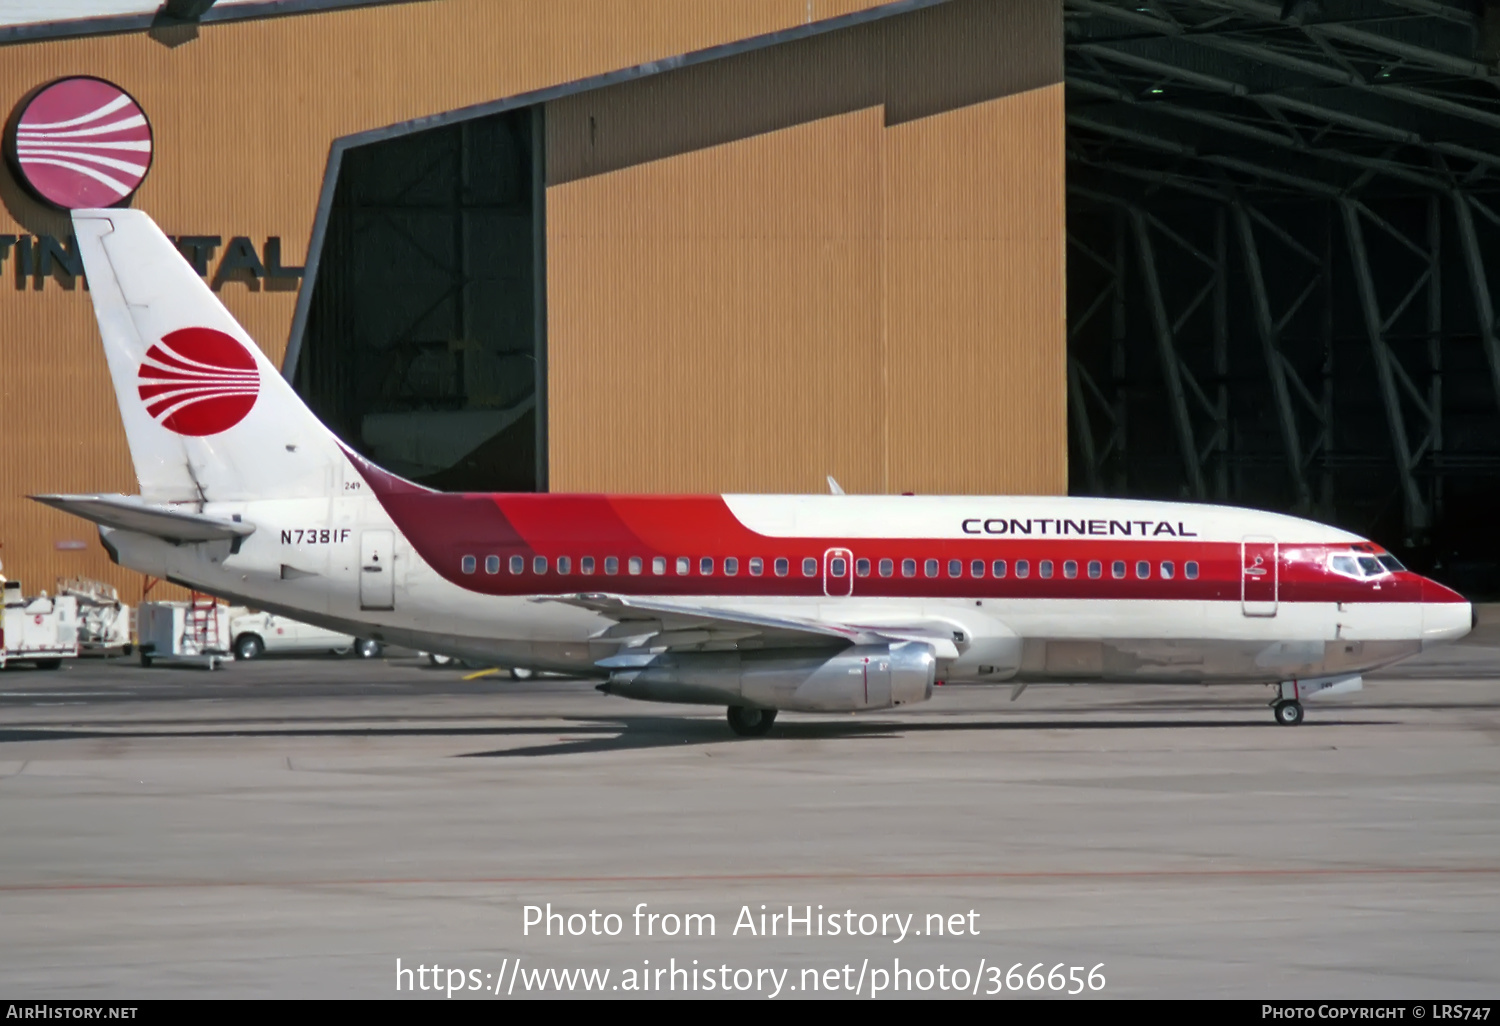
(79, 142)
(198, 381)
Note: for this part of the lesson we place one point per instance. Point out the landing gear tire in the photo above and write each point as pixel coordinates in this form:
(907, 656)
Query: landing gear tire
(145, 659)
(367, 648)
(1288, 714)
(248, 646)
(748, 722)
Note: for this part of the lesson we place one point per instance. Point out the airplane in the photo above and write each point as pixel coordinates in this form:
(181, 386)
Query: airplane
(757, 603)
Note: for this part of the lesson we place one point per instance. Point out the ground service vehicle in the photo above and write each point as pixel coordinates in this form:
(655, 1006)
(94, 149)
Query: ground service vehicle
(256, 633)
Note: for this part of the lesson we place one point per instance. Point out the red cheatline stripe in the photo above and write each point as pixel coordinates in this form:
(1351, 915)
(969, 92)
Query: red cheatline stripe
(671, 878)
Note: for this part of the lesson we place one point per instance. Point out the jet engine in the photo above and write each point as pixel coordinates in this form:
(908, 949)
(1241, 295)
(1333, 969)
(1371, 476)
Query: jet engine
(857, 678)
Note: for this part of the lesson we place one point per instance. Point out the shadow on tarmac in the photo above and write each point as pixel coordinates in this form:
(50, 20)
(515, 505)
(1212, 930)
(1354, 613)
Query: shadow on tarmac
(624, 733)
(664, 732)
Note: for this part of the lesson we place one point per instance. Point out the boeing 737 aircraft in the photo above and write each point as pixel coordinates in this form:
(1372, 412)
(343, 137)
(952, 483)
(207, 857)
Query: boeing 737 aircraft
(821, 603)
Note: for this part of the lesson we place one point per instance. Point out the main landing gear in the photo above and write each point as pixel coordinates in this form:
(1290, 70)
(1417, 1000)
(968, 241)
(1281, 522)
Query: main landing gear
(1288, 713)
(747, 722)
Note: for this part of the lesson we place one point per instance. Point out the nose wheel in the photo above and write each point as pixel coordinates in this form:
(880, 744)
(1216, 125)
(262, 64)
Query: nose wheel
(1288, 713)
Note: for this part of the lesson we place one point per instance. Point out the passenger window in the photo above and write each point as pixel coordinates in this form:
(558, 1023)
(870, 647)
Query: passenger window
(1168, 569)
(564, 565)
(1190, 570)
(467, 564)
(782, 566)
(492, 564)
(862, 567)
(658, 565)
(1044, 569)
(1096, 569)
(683, 565)
(998, 568)
(586, 565)
(611, 564)
(731, 566)
(955, 568)
(706, 566)
(908, 568)
(809, 567)
(887, 568)
(635, 564)
(1142, 570)
(1117, 569)
(517, 564)
(757, 566)
(976, 568)
(539, 564)
(1023, 568)
(1371, 566)
(930, 567)
(837, 567)
(1070, 569)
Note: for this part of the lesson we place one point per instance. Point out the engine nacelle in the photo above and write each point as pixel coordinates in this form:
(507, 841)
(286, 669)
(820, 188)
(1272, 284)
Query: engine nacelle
(862, 677)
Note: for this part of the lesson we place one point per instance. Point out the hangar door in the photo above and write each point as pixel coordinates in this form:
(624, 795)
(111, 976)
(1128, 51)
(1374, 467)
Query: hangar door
(424, 347)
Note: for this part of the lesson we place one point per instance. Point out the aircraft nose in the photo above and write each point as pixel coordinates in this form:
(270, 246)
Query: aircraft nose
(1446, 615)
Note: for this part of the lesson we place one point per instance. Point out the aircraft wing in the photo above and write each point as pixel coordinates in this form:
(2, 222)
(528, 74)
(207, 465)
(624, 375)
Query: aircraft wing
(649, 624)
(131, 513)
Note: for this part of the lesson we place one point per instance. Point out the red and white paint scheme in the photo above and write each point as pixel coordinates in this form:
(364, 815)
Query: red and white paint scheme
(81, 142)
(754, 602)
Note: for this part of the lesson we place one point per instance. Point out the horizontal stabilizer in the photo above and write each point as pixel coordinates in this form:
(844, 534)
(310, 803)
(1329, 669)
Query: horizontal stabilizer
(132, 513)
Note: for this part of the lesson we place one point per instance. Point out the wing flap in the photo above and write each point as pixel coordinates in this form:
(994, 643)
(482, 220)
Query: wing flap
(671, 625)
(657, 625)
(132, 513)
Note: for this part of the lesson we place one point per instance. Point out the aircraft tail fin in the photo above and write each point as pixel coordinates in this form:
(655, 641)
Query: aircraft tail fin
(207, 416)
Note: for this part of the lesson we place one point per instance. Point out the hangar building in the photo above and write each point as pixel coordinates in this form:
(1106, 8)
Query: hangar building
(626, 245)
(1219, 250)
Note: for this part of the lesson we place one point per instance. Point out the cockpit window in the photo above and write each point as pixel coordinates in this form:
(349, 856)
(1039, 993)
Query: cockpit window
(1355, 564)
(1391, 563)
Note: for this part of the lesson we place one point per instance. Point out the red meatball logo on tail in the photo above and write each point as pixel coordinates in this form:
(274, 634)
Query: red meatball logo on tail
(198, 381)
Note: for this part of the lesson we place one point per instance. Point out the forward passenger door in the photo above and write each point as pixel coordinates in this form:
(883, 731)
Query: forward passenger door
(1260, 584)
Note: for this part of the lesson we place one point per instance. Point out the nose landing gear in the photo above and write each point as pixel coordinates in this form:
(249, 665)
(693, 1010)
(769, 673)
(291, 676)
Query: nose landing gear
(1288, 713)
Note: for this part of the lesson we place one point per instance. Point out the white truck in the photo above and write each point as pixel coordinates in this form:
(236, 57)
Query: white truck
(41, 631)
(257, 633)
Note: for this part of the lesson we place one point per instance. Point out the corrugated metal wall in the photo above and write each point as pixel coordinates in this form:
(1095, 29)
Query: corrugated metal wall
(843, 255)
(839, 256)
